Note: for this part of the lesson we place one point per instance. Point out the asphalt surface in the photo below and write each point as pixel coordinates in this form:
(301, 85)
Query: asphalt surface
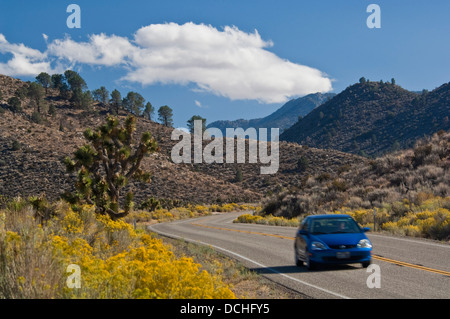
(408, 268)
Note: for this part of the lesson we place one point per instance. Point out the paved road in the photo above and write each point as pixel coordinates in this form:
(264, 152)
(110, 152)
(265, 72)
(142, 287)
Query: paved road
(409, 268)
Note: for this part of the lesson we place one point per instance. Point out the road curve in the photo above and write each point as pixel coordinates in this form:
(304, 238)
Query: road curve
(409, 268)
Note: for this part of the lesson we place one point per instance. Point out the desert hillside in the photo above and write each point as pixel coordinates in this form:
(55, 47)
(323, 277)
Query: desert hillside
(395, 182)
(34, 144)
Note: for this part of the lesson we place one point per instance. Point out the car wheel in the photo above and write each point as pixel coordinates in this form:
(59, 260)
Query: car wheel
(366, 264)
(298, 262)
(311, 265)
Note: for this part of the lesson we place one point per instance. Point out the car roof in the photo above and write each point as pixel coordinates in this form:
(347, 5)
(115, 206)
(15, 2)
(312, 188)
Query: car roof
(328, 216)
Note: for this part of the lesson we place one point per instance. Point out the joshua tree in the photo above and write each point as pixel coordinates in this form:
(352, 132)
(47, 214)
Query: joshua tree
(107, 163)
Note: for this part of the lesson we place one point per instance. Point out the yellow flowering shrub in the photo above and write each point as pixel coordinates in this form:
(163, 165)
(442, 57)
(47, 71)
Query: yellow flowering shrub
(434, 224)
(267, 220)
(364, 217)
(115, 261)
(429, 219)
(190, 211)
(248, 218)
(72, 223)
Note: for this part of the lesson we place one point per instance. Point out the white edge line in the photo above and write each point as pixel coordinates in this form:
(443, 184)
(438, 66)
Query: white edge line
(252, 261)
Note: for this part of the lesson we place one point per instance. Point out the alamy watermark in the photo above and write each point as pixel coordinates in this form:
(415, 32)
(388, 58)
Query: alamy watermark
(74, 279)
(236, 139)
(74, 19)
(374, 279)
(374, 19)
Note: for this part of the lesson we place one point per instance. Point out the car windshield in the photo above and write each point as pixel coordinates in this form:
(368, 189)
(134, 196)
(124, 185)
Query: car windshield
(334, 226)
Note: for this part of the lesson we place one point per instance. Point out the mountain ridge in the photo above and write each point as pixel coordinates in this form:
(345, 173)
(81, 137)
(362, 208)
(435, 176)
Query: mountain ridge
(373, 118)
(284, 117)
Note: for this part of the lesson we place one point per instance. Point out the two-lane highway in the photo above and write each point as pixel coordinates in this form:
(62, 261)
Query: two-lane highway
(409, 268)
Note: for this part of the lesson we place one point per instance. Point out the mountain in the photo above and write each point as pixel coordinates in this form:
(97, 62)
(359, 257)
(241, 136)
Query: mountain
(32, 151)
(373, 118)
(283, 118)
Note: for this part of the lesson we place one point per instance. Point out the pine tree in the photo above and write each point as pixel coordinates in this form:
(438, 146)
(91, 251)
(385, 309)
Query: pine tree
(149, 111)
(14, 104)
(36, 94)
(191, 123)
(134, 103)
(116, 100)
(165, 115)
(44, 79)
(74, 80)
(57, 81)
(101, 95)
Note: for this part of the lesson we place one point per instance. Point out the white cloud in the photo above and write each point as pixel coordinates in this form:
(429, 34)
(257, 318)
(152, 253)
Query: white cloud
(99, 50)
(200, 105)
(24, 61)
(228, 62)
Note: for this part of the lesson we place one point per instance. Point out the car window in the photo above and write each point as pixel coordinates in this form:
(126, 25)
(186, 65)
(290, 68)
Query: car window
(334, 226)
(305, 225)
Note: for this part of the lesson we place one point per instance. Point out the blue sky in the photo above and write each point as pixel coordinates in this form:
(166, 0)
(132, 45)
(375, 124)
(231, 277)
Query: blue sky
(237, 59)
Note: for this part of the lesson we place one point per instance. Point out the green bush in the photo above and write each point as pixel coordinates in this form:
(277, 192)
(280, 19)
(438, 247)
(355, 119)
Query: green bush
(15, 105)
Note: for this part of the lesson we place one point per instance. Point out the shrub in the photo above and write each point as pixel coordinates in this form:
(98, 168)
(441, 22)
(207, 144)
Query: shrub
(37, 118)
(15, 145)
(432, 224)
(115, 260)
(421, 151)
(15, 105)
(267, 220)
(339, 185)
(150, 204)
(302, 164)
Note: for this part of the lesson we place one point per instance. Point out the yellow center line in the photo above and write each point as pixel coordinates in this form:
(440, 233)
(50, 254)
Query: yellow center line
(392, 261)
(243, 231)
(401, 263)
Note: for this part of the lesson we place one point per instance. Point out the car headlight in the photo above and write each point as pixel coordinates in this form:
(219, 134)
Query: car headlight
(316, 245)
(364, 243)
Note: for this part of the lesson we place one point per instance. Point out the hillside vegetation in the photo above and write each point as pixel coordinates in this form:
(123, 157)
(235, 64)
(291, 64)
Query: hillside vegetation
(403, 186)
(33, 146)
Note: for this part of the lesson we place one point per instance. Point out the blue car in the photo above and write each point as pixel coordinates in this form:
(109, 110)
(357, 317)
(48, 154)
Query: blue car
(331, 239)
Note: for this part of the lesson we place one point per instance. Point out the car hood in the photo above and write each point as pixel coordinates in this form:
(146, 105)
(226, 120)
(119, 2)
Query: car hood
(340, 239)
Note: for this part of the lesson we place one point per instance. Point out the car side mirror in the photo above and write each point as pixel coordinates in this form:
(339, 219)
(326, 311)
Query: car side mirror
(303, 232)
(366, 229)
